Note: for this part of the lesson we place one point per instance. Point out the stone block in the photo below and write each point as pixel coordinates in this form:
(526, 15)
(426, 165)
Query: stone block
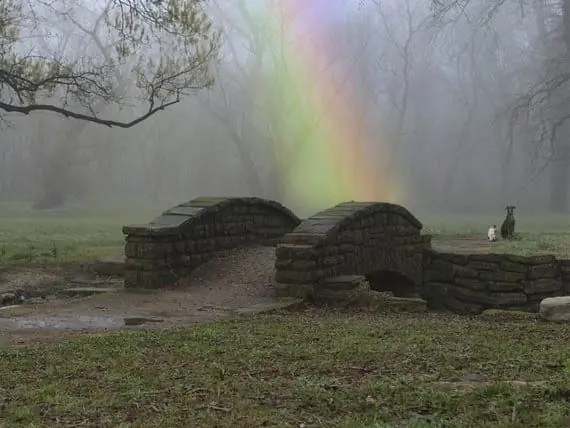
(291, 251)
(545, 285)
(547, 270)
(487, 258)
(502, 276)
(463, 272)
(461, 307)
(538, 297)
(458, 259)
(434, 291)
(328, 295)
(149, 250)
(488, 299)
(431, 275)
(332, 260)
(509, 266)
(531, 260)
(504, 286)
(483, 266)
(300, 291)
(343, 282)
(470, 283)
(292, 276)
(556, 309)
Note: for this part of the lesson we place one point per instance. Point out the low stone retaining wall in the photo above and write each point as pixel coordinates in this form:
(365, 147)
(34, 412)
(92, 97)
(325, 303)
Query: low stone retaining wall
(469, 284)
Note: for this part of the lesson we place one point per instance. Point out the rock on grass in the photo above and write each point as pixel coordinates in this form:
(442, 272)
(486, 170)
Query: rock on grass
(556, 309)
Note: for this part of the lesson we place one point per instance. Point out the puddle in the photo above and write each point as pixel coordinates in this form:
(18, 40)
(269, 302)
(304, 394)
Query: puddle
(80, 322)
(82, 301)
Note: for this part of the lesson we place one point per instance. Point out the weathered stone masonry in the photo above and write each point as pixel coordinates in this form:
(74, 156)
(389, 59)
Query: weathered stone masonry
(469, 284)
(351, 238)
(332, 252)
(185, 236)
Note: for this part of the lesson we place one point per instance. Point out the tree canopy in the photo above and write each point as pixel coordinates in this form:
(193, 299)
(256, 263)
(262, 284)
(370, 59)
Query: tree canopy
(72, 57)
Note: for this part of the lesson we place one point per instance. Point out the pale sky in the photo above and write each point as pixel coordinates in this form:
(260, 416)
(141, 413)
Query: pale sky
(329, 9)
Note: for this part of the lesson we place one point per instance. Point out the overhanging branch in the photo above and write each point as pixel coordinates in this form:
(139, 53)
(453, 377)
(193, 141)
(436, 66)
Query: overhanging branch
(10, 108)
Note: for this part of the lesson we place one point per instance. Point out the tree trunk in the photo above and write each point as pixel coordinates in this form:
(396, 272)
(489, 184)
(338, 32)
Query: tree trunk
(560, 172)
(559, 184)
(56, 175)
(56, 179)
(560, 166)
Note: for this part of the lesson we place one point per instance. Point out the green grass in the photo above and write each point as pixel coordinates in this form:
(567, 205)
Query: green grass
(455, 225)
(546, 234)
(68, 235)
(329, 369)
(76, 234)
(352, 369)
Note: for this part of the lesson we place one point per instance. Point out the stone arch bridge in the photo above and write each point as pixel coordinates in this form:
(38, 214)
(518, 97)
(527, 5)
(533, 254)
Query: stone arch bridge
(380, 241)
(167, 249)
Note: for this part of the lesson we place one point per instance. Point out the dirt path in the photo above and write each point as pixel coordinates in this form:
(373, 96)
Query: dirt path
(237, 283)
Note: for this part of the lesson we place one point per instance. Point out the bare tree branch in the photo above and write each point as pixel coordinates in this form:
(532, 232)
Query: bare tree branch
(166, 49)
(89, 118)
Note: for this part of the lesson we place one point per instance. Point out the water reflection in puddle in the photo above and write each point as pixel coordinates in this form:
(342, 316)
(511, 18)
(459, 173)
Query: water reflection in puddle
(80, 322)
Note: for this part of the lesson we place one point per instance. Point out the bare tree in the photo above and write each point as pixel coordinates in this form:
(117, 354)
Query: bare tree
(399, 29)
(265, 127)
(166, 48)
(545, 105)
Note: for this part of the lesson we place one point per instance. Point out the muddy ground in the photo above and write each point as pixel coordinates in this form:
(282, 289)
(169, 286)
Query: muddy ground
(40, 302)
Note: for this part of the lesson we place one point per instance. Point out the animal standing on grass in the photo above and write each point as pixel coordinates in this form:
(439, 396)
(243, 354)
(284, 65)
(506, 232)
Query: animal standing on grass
(508, 226)
(492, 233)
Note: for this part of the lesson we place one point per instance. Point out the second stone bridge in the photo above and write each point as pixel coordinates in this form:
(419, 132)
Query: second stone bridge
(380, 241)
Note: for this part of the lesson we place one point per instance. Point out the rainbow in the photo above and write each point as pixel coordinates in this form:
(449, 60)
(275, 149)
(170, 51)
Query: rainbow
(320, 137)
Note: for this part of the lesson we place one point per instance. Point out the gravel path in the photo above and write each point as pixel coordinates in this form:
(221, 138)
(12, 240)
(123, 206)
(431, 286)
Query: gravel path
(241, 275)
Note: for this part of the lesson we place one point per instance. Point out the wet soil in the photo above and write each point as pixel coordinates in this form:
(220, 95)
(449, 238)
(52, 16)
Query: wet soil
(59, 300)
(54, 302)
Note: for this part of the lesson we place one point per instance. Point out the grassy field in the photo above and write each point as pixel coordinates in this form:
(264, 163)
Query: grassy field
(541, 234)
(359, 368)
(69, 235)
(346, 369)
(79, 234)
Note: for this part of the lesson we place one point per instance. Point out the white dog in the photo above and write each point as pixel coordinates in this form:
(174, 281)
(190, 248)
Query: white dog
(492, 233)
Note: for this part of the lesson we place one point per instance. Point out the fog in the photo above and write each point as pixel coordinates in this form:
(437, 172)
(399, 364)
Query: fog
(456, 110)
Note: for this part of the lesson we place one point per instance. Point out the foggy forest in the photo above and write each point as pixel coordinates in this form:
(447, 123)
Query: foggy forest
(462, 103)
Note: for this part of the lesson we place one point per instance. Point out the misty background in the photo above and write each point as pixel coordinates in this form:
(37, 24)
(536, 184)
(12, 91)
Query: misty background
(456, 107)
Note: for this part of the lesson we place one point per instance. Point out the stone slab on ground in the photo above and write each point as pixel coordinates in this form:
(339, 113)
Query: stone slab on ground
(556, 309)
(269, 306)
(85, 291)
(391, 303)
(339, 289)
(130, 321)
(107, 283)
(344, 280)
(111, 266)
